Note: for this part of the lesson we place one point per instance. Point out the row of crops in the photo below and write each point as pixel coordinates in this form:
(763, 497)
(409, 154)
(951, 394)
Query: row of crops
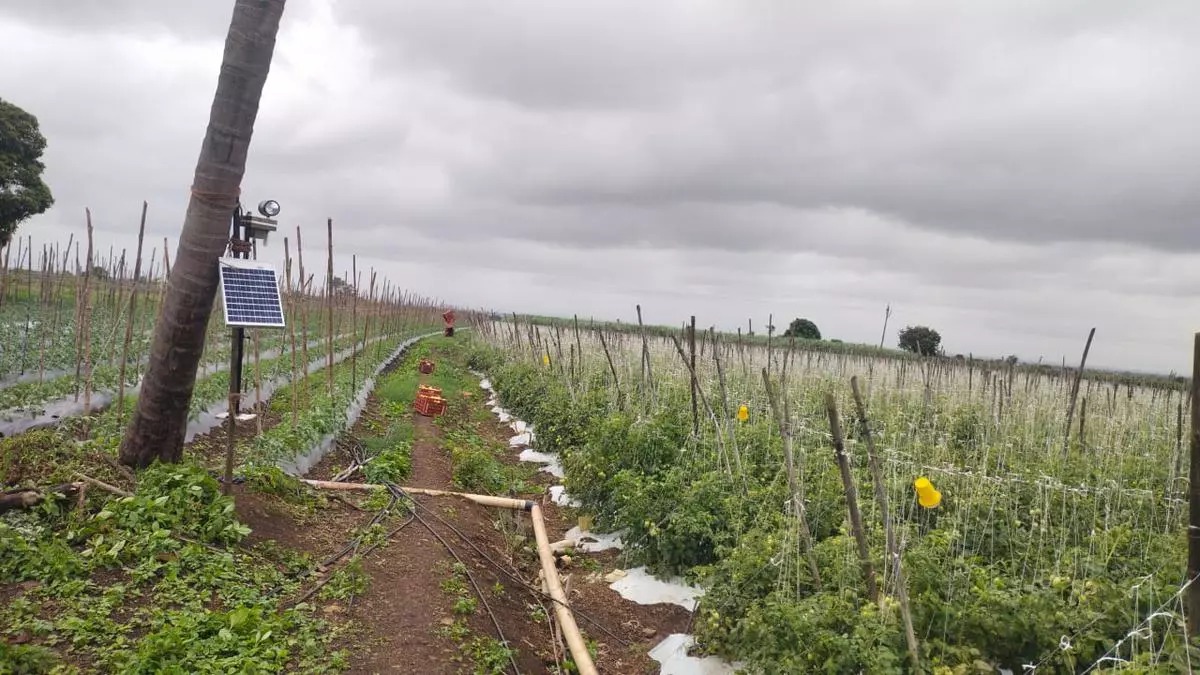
(1050, 550)
(162, 580)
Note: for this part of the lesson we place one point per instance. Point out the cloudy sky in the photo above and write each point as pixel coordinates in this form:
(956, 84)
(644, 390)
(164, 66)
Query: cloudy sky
(1011, 173)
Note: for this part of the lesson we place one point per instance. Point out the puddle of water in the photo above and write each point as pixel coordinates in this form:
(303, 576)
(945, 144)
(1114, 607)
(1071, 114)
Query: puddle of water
(643, 588)
(672, 653)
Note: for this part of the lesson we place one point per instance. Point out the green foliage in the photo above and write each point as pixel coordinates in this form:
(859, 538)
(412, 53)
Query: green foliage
(804, 329)
(23, 193)
(921, 340)
(489, 655)
(272, 480)
(22, 659)
(154, 565)
(1026, 546)
(348, 581)
(392, 465)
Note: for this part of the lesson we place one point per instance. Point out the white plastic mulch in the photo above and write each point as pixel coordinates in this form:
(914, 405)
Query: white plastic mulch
(590, 542)
(672, 653)
(636, 584)
(558, 495)
(643, 588)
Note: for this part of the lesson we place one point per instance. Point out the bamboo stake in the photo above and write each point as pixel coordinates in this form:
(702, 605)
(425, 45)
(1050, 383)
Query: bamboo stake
(137, 271)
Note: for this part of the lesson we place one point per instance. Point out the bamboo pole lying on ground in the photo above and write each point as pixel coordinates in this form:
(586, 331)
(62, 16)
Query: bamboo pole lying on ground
(562, 609)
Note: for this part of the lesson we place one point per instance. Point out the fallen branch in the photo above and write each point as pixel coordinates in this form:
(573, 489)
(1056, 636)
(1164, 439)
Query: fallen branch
(24, 498)
(351, 470)
(102, 485)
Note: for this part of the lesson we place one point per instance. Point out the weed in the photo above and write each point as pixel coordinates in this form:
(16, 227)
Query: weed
(347, 582)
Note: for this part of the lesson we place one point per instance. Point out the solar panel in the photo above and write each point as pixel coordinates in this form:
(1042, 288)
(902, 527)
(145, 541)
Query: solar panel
(250, 291)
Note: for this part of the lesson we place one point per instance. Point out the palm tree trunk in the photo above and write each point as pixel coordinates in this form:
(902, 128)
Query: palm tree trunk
(157, 429)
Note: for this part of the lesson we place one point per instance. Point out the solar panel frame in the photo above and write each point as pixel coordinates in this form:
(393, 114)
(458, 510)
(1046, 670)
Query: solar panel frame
(250, 294)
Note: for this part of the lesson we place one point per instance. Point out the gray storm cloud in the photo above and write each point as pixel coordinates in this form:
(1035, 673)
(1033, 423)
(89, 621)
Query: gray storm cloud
(1010, 172)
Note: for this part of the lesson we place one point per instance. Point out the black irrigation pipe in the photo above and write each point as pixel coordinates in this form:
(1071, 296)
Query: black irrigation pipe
(396, 491)
(352, 545)
(537, 595)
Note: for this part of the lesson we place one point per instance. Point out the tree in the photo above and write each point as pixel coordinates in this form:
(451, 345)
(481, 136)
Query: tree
(921, 340)
(341, 287)
(803, 328)
(157, 429)
(22, 191)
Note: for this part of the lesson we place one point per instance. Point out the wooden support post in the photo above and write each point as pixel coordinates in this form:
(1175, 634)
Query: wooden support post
(1193, 568)
(1075, 393)
(893, 548)
(856, 525)
(692, 370)
(781, 412)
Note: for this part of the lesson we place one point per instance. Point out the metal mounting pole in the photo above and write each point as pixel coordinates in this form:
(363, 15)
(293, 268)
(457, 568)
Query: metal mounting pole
(238, 334)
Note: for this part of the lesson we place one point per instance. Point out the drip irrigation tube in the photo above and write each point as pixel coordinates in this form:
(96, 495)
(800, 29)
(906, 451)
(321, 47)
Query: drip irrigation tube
(396, 492)
(562, 608)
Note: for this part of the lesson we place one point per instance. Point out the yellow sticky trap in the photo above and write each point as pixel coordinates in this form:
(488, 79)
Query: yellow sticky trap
(743, 414)
(927, 495)
(545, 359)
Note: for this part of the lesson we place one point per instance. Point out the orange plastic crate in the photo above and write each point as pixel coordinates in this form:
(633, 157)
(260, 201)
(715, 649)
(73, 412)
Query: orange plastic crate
(430, 406)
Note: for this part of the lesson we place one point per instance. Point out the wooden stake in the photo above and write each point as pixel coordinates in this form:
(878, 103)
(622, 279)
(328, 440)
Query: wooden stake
(692, 371)
(1075, 393)
(292, 329)
(1193, 591)
(354, 326)
(856, 525)
(329, 305)
(781, 413)
(893, 548)
(612, 368)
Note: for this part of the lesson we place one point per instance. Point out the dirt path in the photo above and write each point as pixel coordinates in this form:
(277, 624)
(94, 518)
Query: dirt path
(410, 622)
(419, 611)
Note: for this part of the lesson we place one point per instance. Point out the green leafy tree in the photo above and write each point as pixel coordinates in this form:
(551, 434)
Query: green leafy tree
(921, 340)
(803, 328)
(22, 191)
